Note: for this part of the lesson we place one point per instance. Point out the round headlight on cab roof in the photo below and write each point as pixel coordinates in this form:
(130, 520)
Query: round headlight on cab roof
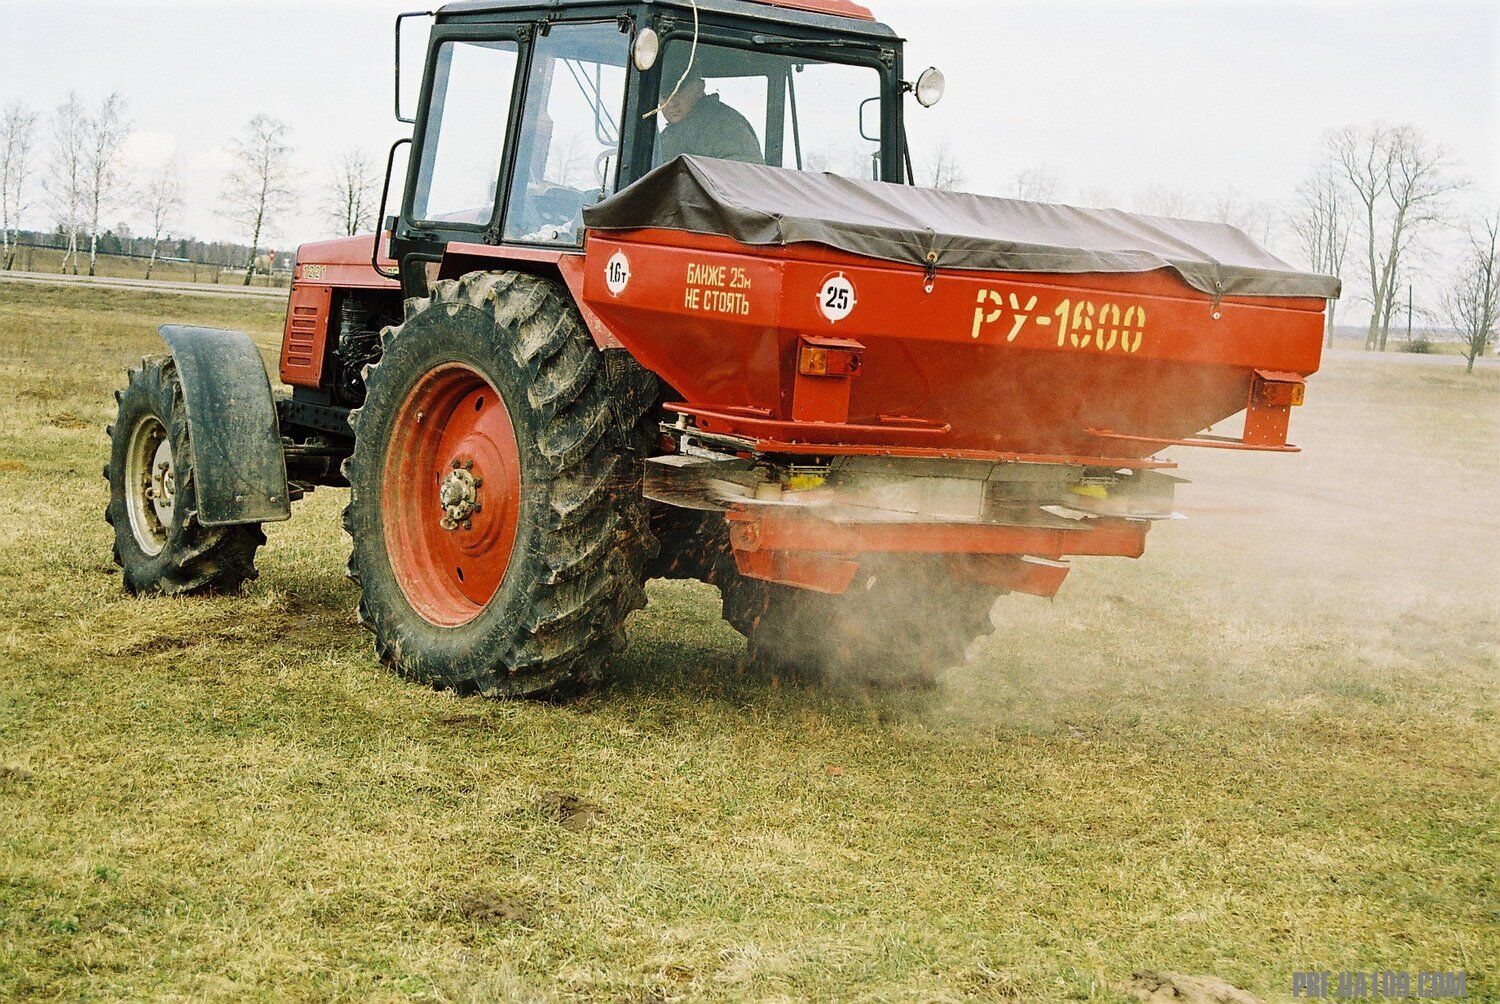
(931, 86)
(647, 48)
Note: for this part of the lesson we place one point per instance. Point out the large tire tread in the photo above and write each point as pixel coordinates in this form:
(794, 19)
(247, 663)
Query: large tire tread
(196, 559)
(583, 573)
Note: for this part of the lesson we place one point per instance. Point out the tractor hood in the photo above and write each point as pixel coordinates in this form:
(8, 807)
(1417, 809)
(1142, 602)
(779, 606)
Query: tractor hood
(769, 206)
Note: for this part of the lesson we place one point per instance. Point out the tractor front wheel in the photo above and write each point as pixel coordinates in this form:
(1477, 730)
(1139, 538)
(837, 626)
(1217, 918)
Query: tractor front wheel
(499, 529)
(159, 542)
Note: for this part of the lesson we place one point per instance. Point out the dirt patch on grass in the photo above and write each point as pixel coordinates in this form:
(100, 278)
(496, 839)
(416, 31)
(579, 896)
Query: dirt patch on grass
(66, 421)
(1172, 988)
(148, 647)
(573, 813)
(485, 906)
(475, 723)
(224, 626)
(11, 774)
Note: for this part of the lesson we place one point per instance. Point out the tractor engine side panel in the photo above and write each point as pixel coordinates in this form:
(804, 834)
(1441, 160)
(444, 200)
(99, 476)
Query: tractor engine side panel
(327, 273)
(304, 342)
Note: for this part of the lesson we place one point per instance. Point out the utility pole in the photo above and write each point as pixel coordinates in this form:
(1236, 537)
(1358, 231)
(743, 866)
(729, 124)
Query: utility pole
(1408, 312)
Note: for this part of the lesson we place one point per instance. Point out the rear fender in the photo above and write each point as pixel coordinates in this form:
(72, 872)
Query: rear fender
(461, 259)
(239, 468)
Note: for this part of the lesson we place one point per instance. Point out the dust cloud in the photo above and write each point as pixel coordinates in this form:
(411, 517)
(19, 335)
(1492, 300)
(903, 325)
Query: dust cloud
(1359, 570)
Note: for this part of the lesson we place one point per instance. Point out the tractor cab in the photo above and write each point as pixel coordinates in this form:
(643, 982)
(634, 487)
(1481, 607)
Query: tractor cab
(530, 113)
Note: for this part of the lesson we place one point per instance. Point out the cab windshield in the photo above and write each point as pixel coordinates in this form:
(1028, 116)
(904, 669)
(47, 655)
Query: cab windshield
(770, 108)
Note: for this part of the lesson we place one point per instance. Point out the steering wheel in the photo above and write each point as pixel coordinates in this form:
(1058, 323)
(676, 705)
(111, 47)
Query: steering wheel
(551, 205)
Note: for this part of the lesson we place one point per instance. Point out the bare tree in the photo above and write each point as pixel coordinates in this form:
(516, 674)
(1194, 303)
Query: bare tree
(1473, 304)
(17, 133)
(1165, 199)
(1419, 191)
(1362, 157)
(1040, 183)
(1400, 184)
(350, 197)
(570, 161)
(65, 184)
(163, 201)
(1098, 197)
(943, 171)
(262, 183)
(1233, 208)
(1322, 220)
(105, 182)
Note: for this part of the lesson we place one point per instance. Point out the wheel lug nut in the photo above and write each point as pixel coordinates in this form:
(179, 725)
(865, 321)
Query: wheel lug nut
(468, 465)
(468, 524)
(457, 464)
(479, 482)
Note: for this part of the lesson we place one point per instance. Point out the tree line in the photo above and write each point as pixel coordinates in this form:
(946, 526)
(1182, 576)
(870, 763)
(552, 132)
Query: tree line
(71, 163)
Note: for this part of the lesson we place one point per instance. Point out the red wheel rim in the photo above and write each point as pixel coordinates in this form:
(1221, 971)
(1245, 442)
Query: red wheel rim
(452, 495)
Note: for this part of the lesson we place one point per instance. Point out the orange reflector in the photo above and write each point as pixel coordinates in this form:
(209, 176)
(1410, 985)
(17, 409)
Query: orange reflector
(828, 357)
(1279, 390)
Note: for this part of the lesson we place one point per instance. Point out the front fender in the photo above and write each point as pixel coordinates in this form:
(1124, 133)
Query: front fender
(239, 468)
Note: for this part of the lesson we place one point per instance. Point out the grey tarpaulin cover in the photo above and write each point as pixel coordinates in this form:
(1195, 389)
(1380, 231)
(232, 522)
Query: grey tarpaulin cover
(772, 206)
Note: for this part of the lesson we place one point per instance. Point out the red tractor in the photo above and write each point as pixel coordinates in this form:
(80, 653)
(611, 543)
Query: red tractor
(661, 301)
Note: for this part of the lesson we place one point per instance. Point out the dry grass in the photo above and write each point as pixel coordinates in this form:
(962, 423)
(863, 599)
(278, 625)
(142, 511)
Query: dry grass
(1268, 746)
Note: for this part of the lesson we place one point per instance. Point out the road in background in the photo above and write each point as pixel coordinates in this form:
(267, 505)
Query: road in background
(1419, 358)
(185, 288)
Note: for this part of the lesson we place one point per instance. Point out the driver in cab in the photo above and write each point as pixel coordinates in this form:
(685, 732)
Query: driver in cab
(702, 125)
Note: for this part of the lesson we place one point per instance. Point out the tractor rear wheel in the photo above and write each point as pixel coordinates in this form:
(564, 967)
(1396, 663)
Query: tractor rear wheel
(159, 542)
(901, 623)
(499, 529)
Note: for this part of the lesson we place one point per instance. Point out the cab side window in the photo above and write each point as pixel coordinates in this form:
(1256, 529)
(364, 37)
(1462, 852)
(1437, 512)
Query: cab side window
(463, 149)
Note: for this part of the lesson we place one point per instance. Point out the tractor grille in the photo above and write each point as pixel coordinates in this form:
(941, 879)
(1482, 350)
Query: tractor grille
(302, 335)
(306, 338)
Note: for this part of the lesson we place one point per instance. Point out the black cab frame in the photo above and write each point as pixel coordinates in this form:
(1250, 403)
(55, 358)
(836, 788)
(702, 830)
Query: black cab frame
(493, 64)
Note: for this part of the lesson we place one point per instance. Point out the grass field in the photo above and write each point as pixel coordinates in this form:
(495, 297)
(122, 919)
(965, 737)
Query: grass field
(1268, 746)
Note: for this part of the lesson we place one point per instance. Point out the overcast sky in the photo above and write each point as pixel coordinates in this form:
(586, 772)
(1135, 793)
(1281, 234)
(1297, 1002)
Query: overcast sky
(1116, 97)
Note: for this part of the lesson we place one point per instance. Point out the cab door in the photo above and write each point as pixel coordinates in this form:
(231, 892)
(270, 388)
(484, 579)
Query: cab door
(464, 135)
(568, 144)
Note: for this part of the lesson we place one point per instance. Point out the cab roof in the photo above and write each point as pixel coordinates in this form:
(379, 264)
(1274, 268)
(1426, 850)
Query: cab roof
(838, 8)
(836, 15)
